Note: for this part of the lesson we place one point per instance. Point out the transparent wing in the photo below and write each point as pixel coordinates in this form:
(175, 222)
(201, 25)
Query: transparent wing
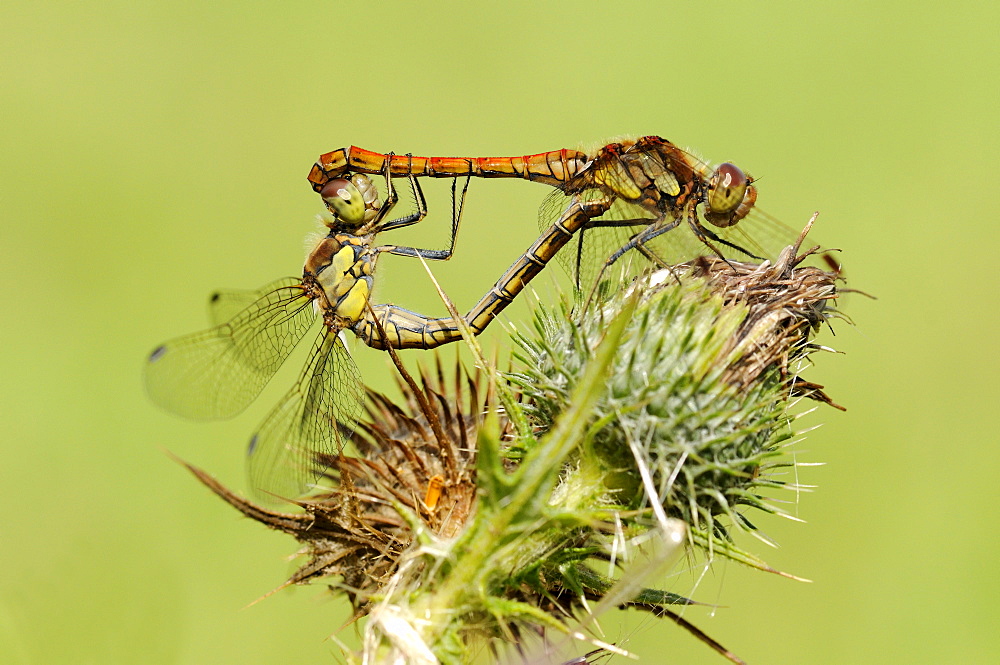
(225, 304)
(585, 255)
(216, 373)
(763, 235)
(315, 416)
(758, 236)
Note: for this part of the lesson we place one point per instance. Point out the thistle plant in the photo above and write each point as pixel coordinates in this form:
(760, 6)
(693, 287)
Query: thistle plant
(505, 511)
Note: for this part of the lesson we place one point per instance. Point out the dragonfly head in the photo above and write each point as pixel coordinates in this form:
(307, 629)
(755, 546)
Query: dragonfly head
(352, 202)
(344, 200)
(730, 195)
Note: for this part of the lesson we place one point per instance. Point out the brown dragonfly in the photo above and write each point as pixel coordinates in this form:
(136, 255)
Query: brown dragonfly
(649, 187)
(217, 373)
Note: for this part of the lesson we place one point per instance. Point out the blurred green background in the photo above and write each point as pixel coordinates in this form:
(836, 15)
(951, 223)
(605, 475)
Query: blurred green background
(152, 152)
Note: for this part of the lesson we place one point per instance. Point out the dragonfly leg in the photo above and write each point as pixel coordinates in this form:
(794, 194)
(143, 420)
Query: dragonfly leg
(392, 198)
(457, 207)
(578, 257)
(638, 241)
(405, 329)
(614, 223)
(705, 235)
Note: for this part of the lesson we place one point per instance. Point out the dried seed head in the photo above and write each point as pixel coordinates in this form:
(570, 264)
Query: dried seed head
(358, 523)
(786, 304)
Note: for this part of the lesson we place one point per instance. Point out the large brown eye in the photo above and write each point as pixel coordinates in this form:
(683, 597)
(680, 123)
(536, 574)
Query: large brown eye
(344, 200)
(726, 190)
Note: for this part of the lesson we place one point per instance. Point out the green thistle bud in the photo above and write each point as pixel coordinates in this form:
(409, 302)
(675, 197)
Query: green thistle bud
(696, 396)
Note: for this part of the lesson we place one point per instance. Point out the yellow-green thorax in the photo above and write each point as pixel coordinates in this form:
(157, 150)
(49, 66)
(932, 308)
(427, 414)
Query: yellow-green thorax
(341, 268)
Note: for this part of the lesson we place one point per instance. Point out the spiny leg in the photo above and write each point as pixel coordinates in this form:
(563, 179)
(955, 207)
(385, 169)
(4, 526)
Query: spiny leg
(578, 252)
(391, 198)
(638, 241)
(418, 196)
(378, 226)
(458, 207)
(705, 234)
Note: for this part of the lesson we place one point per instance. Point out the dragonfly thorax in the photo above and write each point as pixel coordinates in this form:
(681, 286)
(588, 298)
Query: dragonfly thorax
(354, 202)
(341, 267)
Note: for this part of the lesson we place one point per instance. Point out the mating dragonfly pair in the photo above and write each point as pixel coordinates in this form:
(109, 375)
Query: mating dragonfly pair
(641, 195)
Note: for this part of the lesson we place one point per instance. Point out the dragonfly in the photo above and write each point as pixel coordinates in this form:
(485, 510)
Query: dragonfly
(217, 373)
(648, 187)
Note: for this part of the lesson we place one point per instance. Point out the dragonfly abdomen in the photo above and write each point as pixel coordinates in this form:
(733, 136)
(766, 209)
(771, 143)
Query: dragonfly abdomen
(551, 168)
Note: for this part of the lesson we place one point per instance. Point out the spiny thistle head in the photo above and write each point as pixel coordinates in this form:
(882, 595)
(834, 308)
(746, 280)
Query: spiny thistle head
(697, 393)
(489, 510)
(405, 478)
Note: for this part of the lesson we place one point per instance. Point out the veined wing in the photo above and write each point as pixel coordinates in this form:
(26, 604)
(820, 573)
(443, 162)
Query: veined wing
(585, 254)
(765, 235)
(761, 235)
(315, 416)
(756, 237)
(225, 304)
(216, 373)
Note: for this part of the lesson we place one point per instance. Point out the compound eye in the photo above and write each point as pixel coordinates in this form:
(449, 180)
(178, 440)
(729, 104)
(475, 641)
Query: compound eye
(726, 189)
(344, 200)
